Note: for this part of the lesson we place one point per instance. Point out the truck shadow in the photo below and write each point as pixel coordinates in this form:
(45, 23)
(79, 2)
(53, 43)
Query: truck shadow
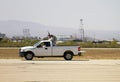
(53, 60)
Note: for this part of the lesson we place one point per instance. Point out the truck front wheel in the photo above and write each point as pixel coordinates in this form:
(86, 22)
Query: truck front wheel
(29, 56)
(68, 56)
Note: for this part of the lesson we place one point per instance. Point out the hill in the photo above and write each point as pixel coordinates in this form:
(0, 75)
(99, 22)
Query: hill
(15, 28)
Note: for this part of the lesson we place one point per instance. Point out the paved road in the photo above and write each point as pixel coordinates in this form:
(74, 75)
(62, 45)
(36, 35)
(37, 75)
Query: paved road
(15, 70)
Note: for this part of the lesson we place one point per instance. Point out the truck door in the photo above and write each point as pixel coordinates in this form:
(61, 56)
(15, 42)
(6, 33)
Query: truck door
(44, 49)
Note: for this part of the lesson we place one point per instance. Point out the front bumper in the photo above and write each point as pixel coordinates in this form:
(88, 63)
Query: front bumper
(21, 54)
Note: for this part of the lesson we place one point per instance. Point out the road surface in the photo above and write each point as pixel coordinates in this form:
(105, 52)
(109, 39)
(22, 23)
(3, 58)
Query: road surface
(16, 70)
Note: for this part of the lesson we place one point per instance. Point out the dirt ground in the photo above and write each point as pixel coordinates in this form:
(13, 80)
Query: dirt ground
(96, 65)
(17, 70)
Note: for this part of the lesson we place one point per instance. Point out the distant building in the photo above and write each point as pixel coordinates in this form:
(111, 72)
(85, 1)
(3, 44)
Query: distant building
(17, 39)
(65, 38)
(118, 42)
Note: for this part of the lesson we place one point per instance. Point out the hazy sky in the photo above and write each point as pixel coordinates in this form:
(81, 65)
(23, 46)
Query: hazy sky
(96, 14)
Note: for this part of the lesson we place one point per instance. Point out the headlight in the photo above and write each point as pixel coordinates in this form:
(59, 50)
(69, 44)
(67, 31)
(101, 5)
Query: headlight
(21, 50)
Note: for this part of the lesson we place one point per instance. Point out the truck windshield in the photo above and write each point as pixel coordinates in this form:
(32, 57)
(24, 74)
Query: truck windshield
(36, 44)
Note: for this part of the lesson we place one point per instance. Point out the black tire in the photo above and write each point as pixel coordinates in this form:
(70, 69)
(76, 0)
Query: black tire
(29, 56)
(68, 56)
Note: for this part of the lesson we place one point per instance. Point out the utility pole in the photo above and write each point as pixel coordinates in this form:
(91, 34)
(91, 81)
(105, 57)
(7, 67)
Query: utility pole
(81, 30)
(26, 33)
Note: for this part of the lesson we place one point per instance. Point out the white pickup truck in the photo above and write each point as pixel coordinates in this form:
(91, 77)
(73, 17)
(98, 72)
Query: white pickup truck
(46, 48)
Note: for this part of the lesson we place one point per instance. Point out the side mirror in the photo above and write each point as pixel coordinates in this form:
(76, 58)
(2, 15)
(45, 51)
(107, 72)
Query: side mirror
(39, 46)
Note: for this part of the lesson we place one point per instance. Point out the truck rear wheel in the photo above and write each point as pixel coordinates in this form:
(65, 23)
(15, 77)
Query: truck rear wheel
(68, 56)
(29, 56)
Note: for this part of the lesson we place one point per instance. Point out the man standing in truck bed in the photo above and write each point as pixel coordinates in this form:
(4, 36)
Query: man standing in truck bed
(52, 38)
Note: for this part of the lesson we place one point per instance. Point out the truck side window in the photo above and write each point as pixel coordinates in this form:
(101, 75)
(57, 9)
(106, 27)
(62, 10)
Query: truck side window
(47, 44)
(44, 44)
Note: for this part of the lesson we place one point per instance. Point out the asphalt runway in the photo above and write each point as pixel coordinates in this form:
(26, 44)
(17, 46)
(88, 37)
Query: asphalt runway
(16, 70)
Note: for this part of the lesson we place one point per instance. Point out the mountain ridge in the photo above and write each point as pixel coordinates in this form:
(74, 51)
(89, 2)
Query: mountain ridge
(15, 28)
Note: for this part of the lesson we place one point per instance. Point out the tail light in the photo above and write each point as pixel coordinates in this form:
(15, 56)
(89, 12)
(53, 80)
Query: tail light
(79, 48)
